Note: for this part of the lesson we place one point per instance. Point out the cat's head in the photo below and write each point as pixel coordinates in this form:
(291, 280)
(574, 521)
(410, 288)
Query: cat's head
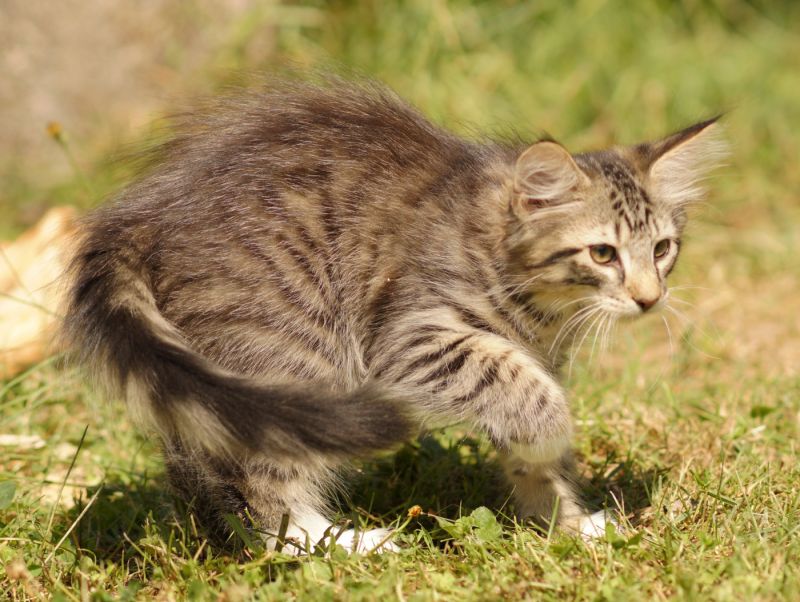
(603, 229)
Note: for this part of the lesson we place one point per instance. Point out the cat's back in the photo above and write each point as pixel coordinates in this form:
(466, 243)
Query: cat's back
(299, 136)
(273, 219)
(330, 151)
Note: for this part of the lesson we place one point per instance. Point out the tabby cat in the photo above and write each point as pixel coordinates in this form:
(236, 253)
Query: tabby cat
(313, 272)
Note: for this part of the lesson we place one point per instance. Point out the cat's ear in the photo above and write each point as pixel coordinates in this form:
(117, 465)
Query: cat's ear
(677, 165)
(543, 176)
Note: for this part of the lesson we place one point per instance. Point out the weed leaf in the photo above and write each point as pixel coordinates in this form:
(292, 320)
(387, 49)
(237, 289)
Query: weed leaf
(7, 491)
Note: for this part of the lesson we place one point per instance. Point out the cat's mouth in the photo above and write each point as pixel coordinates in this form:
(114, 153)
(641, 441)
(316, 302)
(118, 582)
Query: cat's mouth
(630, 308)
(635, 311)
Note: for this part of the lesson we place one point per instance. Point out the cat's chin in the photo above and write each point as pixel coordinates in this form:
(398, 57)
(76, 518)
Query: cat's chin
(634, 313)
(629, 316)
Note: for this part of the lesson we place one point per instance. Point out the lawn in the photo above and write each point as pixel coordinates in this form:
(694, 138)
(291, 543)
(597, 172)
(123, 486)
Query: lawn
(688, 424)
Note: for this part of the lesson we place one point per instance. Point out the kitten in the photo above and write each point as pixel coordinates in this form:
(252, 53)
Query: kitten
(314, 272)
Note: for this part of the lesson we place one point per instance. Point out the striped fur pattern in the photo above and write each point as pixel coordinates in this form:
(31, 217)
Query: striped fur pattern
(313, 272)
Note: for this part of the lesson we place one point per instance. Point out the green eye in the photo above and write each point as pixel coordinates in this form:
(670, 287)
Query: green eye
(603, 253)
(661, 248)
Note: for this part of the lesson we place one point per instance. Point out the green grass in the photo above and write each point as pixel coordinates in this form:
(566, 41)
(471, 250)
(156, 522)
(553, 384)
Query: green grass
(697, 443)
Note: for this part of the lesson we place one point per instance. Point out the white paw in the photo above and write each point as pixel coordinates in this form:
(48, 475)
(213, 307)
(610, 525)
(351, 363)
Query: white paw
(593, 526)
(307, 529)
(364, 542)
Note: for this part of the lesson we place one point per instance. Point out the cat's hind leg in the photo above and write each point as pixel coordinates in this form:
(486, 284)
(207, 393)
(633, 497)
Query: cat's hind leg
(285, 504)
(210, 491)
(276, 494)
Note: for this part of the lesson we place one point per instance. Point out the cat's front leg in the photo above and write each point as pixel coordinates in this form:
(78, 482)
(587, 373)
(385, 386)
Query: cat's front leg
(459, 373)
(456, 372)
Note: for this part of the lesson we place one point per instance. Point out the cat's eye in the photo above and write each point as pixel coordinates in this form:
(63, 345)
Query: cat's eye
(661, 248)
(603, 253)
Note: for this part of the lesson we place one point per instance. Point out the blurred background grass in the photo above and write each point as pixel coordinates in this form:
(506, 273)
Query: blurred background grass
(589, 72)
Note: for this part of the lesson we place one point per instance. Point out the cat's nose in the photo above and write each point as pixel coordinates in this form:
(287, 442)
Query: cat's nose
(646, 304)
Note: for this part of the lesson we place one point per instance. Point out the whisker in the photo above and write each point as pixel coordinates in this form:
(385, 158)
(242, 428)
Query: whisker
(576, 325)
(680, 315)
(687, 288)
(604, 327)
(679, 300)
(669, 334)
(565, 328)
(574, 321)
(568, 303)
(605, 342)
(519, 287)
(687, 320)
(596, 334)
(576, 349)
(557, 307)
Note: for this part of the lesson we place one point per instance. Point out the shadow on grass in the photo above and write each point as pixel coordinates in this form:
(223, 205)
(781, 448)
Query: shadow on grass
(621, 485)
(450, 477)
(445, 475)
(124, 513)
(141, 533)
(136, 522)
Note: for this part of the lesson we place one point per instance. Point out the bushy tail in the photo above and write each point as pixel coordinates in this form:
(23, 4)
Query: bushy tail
(114, 328)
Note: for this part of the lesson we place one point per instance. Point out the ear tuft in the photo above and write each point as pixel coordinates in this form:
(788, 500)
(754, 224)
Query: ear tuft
(678, 164)
(545, 172)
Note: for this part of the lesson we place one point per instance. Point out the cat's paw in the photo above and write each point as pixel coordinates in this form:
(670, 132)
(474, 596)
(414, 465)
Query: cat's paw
(593, 526)
(362, 542)
(366, 542)
(310, 530)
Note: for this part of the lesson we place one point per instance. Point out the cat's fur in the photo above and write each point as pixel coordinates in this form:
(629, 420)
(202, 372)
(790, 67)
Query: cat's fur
(313, 272)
